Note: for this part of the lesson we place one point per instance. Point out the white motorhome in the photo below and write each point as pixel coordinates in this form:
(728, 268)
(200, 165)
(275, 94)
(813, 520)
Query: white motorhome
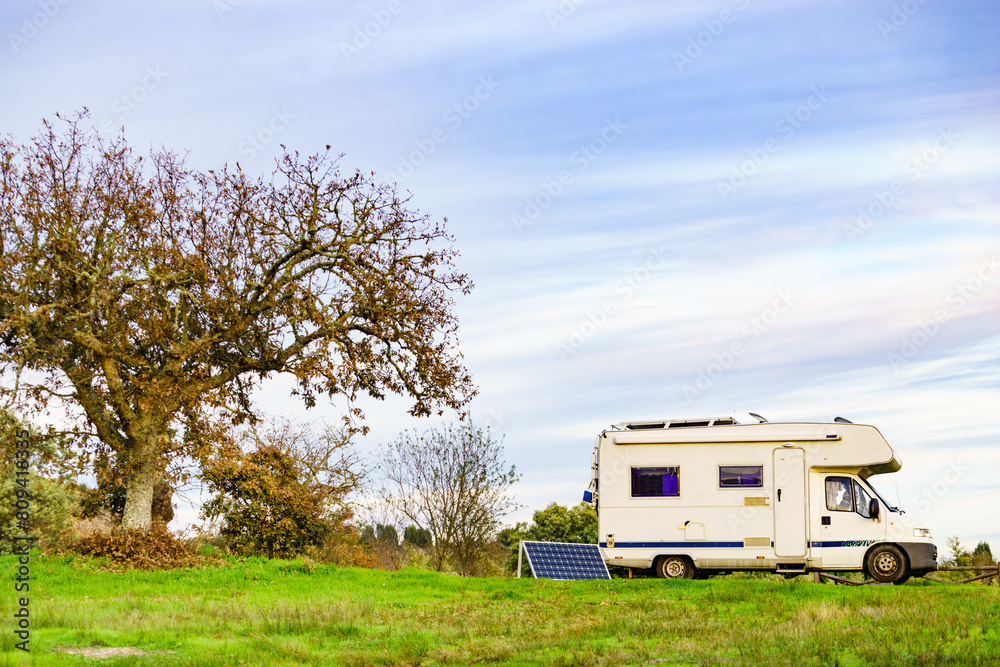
(714, 495)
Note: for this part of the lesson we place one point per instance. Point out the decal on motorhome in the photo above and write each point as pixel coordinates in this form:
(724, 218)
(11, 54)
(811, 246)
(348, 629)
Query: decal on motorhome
(845, 543)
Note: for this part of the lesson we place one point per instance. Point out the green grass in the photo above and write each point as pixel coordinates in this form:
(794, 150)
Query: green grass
(276, 613)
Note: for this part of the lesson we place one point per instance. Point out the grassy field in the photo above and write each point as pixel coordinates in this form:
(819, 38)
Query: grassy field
(285, 613)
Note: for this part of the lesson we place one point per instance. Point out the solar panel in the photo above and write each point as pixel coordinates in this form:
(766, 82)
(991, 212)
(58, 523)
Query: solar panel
(562, 560)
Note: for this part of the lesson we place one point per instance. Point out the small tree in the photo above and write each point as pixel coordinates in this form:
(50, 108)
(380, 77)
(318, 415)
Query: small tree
(959, 556)
(287, 493)
(982, 555)
(454, 483)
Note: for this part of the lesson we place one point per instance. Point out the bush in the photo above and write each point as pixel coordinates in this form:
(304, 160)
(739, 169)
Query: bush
(53, 507)
(287, 493)
(342, 548)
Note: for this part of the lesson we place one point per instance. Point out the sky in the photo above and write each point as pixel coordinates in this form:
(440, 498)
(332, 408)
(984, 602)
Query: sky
(669, 210)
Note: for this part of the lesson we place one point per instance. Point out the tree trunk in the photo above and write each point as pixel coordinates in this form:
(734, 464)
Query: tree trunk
(143, 472)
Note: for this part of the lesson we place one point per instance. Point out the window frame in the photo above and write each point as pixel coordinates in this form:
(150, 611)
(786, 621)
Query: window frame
(632, 474)
(742, 486)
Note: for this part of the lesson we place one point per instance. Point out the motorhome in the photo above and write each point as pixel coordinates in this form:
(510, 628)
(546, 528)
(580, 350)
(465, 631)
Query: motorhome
(695, 496)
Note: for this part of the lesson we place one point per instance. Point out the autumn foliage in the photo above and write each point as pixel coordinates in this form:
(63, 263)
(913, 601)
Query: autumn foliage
(281, 489)
(149, 299)
(268, 509)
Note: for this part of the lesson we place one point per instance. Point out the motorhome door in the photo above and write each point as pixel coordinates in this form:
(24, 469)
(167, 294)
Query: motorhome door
(789, 502)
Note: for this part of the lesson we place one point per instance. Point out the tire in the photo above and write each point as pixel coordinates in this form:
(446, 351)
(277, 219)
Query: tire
(674, 567)
(887, 564)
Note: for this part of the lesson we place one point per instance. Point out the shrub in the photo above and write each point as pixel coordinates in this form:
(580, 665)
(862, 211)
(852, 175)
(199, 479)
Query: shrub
(382, 542)
(268, 508)
(282, 490)
(53, 506)
(342, 548)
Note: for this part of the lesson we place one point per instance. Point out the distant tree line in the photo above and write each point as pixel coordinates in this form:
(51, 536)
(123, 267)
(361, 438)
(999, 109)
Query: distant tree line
(980, 555)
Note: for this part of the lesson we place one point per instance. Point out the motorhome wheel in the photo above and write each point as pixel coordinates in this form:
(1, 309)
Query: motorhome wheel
(887, 564)
(674, 567)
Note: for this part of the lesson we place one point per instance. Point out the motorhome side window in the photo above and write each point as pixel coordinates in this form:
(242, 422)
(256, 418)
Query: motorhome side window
(838, 494)
(741, 477)
(656, 482)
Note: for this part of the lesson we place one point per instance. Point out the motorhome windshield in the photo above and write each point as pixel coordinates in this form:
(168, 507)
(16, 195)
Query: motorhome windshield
(880, 496)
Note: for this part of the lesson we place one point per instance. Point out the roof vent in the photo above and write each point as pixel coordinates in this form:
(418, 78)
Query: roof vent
(638, 426)
(678, 423)
(688, 424)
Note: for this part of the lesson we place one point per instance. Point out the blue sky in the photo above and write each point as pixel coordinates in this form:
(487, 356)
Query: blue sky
(670, 210)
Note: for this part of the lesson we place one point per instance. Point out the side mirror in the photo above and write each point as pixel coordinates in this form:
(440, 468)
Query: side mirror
(873, 509)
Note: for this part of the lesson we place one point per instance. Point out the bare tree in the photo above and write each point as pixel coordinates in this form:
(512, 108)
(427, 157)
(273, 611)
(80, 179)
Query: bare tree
(322, 450)
(154, 298)
(454, 482)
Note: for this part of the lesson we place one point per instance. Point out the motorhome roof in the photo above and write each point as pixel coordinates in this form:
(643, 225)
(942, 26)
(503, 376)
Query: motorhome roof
(856, 446)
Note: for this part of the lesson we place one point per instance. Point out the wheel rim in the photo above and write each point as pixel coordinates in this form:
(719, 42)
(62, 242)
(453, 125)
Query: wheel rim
(674, 567)
(886, 563)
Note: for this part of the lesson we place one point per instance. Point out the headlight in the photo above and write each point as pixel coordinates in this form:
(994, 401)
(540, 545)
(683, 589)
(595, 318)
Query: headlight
(921, 532)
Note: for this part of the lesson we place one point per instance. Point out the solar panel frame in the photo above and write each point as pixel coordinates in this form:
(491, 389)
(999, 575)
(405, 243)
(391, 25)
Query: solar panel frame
(565, 561)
